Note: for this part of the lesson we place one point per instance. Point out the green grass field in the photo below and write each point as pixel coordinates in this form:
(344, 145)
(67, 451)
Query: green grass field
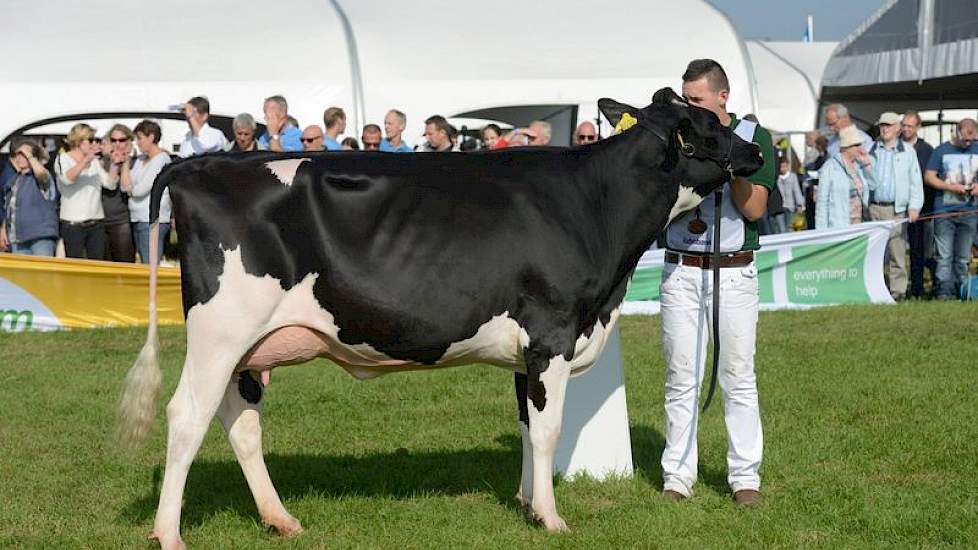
(870, 420)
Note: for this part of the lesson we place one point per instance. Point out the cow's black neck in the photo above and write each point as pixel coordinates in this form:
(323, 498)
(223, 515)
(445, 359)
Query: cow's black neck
(639, 179)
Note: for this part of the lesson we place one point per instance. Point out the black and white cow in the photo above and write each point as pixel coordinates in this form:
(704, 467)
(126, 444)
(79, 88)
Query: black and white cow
(384, 263)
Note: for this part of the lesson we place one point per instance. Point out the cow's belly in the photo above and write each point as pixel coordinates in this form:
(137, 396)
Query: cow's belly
(498, 341)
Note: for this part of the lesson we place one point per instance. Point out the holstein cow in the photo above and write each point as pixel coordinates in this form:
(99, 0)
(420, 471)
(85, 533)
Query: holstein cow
(518, 258)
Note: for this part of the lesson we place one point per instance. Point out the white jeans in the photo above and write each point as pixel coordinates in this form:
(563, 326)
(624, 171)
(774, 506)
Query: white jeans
(686, 298)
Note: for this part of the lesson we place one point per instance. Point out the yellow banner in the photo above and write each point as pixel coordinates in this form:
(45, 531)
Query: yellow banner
(42, 293)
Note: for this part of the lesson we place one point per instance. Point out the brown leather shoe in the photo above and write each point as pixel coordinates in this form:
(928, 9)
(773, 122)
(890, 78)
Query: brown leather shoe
(747, 497)
(673, 496)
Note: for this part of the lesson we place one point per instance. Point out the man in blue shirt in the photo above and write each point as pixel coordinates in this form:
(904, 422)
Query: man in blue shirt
(394, 124)
(280, 136)
(951, 172)
(837, 118)
(335, 121)
(899, 193)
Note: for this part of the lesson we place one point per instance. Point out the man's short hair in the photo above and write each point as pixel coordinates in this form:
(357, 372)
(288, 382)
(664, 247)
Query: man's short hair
(545, 128)
(912, 114)
(401, 117)
(244, 120)
(149, 128)
(278, 100)
(333, 115)
(440, 123)
(371, 129)
(200, 104)
(716, 77)
(839, 110)
(967, 123)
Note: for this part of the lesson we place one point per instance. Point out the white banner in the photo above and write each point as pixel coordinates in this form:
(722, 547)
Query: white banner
(795, 270)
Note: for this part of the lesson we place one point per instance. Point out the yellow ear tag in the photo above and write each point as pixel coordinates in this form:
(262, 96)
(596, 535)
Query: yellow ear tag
(626, 122)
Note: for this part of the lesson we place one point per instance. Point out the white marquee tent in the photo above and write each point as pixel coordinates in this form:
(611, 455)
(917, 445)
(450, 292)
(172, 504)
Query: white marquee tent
(507, 60)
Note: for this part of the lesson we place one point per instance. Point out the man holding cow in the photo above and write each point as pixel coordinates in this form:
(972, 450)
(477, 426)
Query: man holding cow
(687, 293)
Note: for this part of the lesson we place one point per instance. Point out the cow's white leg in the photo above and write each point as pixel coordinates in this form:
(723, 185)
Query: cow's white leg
(242, 422)
(544, 432)
(205, 375)
(524, 494)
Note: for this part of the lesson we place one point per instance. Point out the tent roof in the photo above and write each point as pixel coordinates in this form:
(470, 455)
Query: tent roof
(920, 54)
(788, 74)
(438, 56)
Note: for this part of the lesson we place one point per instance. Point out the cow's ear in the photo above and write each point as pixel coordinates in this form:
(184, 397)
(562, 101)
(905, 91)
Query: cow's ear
(666, 96)
(614, 111)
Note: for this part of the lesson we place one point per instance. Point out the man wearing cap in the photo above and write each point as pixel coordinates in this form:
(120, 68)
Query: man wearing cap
(899, 192)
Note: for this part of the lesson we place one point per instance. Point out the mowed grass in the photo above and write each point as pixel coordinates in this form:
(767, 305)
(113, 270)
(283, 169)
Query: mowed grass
(870, 420)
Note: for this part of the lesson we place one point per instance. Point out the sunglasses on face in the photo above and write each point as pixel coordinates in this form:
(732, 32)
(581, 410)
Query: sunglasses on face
(586, 137)
(309, 140)
(119, 140)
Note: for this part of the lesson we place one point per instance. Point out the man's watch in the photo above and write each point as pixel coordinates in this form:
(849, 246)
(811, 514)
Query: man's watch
(273, 136)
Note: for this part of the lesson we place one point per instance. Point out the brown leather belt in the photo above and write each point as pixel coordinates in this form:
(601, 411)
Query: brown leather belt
(702, 261)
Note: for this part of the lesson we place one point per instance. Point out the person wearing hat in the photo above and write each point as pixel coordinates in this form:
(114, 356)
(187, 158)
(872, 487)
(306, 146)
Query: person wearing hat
(844, 183)
(899, 193)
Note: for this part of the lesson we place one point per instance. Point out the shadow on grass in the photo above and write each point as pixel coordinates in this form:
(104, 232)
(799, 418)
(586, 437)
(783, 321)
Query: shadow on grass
(647, 446)
(214, 486)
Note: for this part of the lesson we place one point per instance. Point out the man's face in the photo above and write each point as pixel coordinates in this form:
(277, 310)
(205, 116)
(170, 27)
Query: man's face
(586, 133)
(909, 127)
(537, 136)
(699, 93)
(244, 137)
(436, 137)
(889, 132)
(273, 112)
(833, 121)
(967, 135)
(341, 125)
(370, 141)
(392, 125)
(312, 139)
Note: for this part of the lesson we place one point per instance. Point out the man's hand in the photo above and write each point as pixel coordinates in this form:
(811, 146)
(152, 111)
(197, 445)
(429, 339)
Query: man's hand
(4, 242)
(913, 214)
(274, 122)
(974, 190)
(957, 188)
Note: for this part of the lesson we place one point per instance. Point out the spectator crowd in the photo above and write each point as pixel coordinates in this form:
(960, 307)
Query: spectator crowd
(94, 194)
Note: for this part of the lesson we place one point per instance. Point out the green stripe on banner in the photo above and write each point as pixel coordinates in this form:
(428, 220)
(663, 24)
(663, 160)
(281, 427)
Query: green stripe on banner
(828, 273)
(765, 263)
(645, 284)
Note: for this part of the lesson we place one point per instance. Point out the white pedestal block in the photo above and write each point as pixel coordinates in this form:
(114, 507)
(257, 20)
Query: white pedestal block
(595, 437)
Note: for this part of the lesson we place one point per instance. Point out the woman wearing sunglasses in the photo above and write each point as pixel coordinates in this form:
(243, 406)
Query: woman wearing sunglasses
(117, 150)
(81, 179)
(30, 225)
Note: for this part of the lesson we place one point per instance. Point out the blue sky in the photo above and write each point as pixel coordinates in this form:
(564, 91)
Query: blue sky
(785, 19)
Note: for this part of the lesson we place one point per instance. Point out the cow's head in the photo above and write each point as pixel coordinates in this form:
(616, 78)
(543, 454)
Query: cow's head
(705, 152)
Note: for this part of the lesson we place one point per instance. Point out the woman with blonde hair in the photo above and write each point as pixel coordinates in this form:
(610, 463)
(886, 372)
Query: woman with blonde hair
(81, 179)
(115, 202)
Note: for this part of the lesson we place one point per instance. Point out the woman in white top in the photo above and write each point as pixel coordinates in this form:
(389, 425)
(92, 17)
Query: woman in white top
(138, 182)
(80, 182)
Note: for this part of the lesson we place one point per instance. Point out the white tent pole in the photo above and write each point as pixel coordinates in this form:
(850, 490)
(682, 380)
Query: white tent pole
(925, 37)
(359, 109)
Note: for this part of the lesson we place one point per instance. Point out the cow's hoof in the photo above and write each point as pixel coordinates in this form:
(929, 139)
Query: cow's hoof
(285, 527)
(168, 544)
(553, 523)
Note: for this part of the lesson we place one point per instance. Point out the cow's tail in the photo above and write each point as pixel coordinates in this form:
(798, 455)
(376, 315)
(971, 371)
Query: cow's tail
(140, 398)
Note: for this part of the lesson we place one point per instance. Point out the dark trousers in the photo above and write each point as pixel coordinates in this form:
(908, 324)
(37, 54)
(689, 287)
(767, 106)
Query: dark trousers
(84, 240)
(917, 236)
(120, 246)
(809, 207)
